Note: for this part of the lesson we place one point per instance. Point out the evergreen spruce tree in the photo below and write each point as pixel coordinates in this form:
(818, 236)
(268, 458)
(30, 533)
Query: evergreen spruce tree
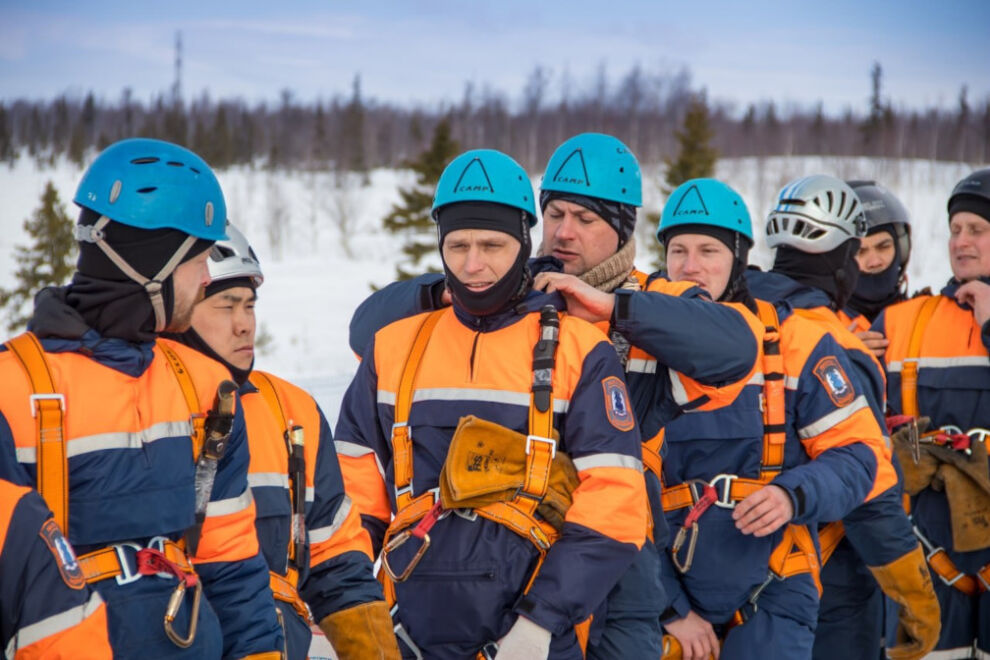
(695, 158)
(412, 217)
(48, 260)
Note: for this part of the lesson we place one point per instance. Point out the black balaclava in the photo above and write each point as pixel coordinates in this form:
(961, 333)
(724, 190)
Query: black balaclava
(736, 290)
(834, 272)
(875, 292)
(497, 217)
(620, 217)
(110, 302)
(192, 339)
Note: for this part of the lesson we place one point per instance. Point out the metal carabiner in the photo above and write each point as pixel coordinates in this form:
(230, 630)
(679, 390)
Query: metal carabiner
(174, 603)
(394, 543)
(679, 543)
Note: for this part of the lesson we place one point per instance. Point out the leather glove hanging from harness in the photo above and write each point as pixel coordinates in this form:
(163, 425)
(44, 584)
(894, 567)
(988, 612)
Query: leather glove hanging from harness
(486, 463)
(962, 474)
(362, 632)
(906, 581)
(967, 487)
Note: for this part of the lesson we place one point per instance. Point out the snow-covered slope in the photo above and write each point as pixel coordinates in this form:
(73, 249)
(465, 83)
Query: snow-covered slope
(318, 268)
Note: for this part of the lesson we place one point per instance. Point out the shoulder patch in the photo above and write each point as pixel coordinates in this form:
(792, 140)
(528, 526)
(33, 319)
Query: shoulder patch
(836, 382)
(65, 558)
(617, 404)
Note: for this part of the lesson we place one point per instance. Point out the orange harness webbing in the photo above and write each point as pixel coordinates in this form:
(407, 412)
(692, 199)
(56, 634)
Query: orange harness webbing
(946, 569)
(284, 587)
(48, 409)
(796, 552)
(518, 514)
(909, 365)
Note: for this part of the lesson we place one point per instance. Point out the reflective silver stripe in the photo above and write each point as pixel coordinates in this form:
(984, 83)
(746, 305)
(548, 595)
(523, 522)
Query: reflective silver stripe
(958, 653)
(943, 362)
(310, 494)
(115, 440)
(261, 479)
(53, 625)
(791, 383)
(321, 534)
(757, 379)
(608, 460)
(982, 655)
(471, 394)
(231, 505)
(641, 366)
(680, 395)
(835, 417)
(354, 450)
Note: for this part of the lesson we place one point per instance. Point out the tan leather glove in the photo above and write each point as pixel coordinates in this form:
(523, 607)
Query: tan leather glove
(967, 487)
(906, 580)
(486, 463)
(362, 632)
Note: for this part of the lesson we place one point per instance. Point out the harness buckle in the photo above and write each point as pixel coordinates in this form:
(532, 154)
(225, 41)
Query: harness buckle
(34, 398)
(724, 500)
(537, 438)
(126, 574)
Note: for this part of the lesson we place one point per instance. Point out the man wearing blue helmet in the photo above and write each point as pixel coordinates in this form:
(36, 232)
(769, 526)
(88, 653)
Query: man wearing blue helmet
(137, 443)
(589, 195)
(490, 445)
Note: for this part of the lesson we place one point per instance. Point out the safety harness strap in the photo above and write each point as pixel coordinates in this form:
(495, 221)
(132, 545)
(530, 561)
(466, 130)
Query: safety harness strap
(402, 458)
(48, 410)
(796, 554)
(284, 589)
(685, 495)
(829, 537)
(909, 366)
(188, 388)
(774, 403)
(296, 459)
(109, 562)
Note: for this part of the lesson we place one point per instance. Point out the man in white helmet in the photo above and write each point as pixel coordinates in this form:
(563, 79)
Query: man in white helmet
(318, 555)
(816, 228)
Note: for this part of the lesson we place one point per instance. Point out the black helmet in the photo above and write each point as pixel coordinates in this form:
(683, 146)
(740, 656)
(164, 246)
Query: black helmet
(882, 208)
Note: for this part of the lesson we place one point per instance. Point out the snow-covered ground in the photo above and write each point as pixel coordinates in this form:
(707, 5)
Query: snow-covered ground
(317, 268)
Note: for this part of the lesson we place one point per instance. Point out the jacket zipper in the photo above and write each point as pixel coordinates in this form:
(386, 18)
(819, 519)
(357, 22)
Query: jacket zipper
(474, 350)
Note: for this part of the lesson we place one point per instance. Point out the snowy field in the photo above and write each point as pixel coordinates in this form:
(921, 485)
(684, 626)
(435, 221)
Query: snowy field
(322, 246)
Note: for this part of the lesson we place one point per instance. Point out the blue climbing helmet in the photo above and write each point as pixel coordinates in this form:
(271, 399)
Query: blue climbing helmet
(706, 202)
(151, 184)
(485, 175)
(595, 165)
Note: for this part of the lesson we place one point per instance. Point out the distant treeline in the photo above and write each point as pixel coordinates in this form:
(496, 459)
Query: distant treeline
(349, 132)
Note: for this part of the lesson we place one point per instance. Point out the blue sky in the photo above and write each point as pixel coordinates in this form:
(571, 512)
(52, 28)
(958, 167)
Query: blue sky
(425, 51)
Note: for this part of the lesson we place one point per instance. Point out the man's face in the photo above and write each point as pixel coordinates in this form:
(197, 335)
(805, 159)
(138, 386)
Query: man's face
(479, 258)
(226, 322)
(701, 259)
(580, 238)
(969, 246)
(188, 283)
(876, 253)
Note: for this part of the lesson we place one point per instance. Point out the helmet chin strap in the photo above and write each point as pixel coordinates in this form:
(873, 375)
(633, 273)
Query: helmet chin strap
(153, 286)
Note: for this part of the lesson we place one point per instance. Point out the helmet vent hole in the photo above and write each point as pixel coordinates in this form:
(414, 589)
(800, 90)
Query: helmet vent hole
(815, 234)
(798, 227)
(623, 191)
(219, 253)
(785, 222)
(145, 160)
(147, 189)
(194, 170)
(621, 171)
(174, 163)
